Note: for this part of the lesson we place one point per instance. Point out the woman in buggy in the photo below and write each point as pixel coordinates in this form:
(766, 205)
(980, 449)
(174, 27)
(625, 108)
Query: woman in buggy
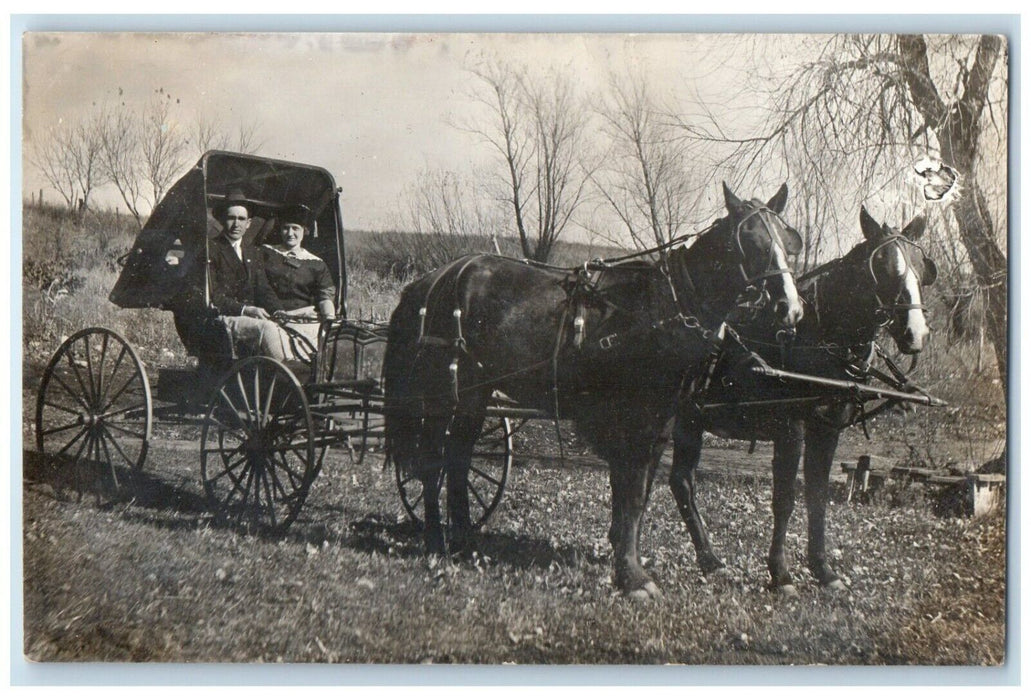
(300, 279)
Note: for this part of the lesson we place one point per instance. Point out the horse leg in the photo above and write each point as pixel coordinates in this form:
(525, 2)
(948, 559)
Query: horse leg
(687, 450)
(630, 479)
(431, 473)
(787, 450)
(821, 442)
(464, 429)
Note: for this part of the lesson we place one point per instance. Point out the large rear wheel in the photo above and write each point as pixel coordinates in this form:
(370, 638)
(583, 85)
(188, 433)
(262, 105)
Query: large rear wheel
(488, 474)
(93, 410)
(257, 447)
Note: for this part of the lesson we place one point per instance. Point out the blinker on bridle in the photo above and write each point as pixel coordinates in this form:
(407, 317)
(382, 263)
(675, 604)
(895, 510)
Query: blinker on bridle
(763, 213)
(886, 312)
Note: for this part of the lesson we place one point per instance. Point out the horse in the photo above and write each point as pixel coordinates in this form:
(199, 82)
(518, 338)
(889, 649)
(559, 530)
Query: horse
(607, 345)
(848, 302)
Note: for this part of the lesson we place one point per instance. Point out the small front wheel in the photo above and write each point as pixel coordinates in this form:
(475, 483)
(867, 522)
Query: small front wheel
(488, 474)
(257, 447)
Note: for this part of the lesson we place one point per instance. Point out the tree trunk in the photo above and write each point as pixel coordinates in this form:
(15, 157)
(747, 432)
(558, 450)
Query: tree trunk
(989, 263)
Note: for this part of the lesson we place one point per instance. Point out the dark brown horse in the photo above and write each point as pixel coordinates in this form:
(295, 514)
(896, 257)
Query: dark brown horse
(608, 346)
(848, 302)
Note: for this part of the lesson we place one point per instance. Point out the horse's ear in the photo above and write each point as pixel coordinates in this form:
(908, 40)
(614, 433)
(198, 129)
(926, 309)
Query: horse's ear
(778, 200)
(930, 272)
(871, 229)
(915, 228)
(733, 203)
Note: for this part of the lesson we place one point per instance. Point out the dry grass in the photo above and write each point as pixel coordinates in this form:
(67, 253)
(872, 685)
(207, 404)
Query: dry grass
(349, 583)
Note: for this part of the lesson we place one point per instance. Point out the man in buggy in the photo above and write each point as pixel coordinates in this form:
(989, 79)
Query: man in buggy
(233, 319)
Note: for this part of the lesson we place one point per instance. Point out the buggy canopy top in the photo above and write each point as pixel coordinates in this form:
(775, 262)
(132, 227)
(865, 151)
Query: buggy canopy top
(174, 240)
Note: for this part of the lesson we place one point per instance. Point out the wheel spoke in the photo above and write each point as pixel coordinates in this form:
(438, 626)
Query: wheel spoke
(227, 470)
(121, 390)
(254, 506)
(89, 371)
(302, 457)
(118, 364)
(268, 496)
(243, 395)
(491, 479)
(220, 449)
(72, 442)
(89, 448)
(239, 433)
(120, 411)
(474, 492)
(78, 377)
(271, 392)
(418, 499)
(277, 485)
(61, 429)
(258, 416)
(233, 411)
(75, 459)
(118, 448)
(68, 389)
(120, 429)
(284, 464)
(107, 453)
(100, 369)
(74, 412)
(238, 485)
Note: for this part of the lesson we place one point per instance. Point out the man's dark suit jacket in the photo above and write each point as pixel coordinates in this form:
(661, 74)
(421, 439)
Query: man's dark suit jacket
(237, 283)
(234, 283)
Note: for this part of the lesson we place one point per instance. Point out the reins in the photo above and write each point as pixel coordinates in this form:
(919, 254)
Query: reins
(583, 287)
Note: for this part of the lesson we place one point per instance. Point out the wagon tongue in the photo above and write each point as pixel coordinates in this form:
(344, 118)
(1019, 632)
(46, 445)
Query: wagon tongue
(861, 392)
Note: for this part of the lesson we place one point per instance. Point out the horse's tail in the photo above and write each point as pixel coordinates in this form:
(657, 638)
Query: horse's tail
(418, 388)
(401, 424)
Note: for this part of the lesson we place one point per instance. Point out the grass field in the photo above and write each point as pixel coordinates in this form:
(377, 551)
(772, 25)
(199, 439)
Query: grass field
(155, 578)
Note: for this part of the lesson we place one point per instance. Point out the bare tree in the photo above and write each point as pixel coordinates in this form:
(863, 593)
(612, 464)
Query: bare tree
(69, 157)
(449, 217)
(50, 155)
(120, 137)
(143, 152)
(209, 133)
(645, 177)
(864, 109)
(538, 127)
(163, 146)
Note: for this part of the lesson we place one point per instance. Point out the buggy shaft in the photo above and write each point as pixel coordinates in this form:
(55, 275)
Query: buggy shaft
(862, 391)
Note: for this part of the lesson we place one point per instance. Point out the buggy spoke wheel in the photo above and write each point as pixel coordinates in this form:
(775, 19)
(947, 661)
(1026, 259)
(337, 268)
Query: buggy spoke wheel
(258, 447)
(488, 474)
(93, 409)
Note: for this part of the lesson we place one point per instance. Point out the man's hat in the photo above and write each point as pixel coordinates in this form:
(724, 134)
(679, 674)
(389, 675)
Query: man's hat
(295, 214)
(234, 198)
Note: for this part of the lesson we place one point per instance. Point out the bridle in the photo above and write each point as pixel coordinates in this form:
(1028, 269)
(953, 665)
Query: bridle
(769, 219)
(887, 313)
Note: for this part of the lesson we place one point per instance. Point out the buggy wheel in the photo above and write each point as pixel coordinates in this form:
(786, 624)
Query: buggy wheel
(492, 458)
(93, 410)
(257, 447)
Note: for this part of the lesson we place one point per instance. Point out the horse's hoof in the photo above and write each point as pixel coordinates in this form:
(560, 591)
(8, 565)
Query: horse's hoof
(723, 573)
(652, 589)
(787, 591)
(710, 564)
(835, 586)
(648, 591)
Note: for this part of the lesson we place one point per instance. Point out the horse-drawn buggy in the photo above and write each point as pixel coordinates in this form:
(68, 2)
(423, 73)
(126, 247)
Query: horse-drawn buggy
(625, 348)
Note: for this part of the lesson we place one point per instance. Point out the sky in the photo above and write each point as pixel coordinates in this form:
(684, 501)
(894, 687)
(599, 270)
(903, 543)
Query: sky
(374, 109)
